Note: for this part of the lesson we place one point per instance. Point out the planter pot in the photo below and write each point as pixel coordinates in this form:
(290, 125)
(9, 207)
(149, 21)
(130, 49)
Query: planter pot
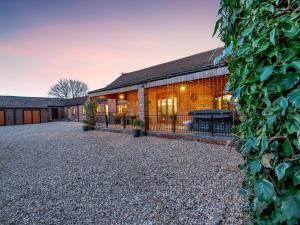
(87, 127)
(136, 133)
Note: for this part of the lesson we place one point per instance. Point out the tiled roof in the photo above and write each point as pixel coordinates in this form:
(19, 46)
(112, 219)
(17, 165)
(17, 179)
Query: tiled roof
(37, 102)
(194, 63)
(76, 101)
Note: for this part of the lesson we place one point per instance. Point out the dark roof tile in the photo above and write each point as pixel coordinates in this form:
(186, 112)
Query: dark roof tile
(197, 62)
(37, 102)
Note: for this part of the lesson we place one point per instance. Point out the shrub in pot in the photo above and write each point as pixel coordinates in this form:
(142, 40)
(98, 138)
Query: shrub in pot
(137, 125)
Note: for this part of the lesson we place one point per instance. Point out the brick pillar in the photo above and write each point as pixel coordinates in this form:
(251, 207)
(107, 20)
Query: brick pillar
(143, 106)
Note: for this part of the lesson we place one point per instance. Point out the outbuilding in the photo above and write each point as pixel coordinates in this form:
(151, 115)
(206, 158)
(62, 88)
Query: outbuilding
(17, 110)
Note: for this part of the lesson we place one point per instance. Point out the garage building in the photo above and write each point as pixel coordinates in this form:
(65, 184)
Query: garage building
(16, 110)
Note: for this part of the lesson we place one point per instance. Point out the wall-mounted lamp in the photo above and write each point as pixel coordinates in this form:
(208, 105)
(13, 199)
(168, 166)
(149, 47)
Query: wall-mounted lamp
(121, 96)
(182, 88)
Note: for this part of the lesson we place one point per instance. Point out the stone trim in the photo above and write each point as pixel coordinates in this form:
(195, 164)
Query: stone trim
(190, 77)
(114, 91)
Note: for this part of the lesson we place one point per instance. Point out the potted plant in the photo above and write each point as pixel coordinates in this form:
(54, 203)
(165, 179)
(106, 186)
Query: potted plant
(137, 125)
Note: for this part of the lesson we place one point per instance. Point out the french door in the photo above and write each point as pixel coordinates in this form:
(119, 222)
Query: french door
(166, 109)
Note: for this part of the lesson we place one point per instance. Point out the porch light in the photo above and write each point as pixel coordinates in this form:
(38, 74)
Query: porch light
(121, 96)
(182, 88)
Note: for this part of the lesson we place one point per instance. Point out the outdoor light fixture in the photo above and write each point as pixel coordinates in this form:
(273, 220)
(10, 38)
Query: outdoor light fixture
(182, 88)
(121, 96)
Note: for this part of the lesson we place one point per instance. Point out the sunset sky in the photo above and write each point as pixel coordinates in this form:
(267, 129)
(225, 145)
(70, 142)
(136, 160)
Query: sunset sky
(96, 40)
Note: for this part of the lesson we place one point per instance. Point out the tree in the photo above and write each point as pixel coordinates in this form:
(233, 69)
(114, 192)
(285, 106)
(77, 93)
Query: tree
(91, 111)
(67, 88)
(262, 44)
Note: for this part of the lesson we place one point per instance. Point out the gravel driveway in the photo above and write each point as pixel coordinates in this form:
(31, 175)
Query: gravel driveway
(57, 174)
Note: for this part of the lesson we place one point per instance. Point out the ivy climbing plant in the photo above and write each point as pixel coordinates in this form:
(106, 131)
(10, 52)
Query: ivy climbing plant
(262, 46)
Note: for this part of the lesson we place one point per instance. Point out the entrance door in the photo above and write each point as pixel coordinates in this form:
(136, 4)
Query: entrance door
(54, 113)
(36, 116)
(167, 108)
(1, 118)
(27, 117)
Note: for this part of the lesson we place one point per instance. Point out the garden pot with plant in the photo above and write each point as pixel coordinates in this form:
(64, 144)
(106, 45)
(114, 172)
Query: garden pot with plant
(137, 126)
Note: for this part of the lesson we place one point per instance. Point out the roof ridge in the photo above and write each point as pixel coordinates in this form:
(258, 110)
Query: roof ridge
(186, 57)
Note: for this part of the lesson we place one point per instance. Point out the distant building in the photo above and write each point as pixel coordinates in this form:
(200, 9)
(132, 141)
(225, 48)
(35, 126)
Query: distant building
(15, 110)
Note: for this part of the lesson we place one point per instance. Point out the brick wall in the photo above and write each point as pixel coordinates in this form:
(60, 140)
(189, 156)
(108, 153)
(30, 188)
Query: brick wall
(132, 98)
(75, 113)
(190, 96)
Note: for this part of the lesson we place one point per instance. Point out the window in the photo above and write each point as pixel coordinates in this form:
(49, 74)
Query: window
(222, 102)
(83, 111)
(98, 108)
(73, 111)
(122, 108)
(166, 108)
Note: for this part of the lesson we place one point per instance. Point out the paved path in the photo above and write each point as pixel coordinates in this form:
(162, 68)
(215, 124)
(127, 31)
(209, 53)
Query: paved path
(57, 174)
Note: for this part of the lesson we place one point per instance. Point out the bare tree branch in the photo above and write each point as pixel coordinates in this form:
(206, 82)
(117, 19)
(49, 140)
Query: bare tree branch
(67, 88)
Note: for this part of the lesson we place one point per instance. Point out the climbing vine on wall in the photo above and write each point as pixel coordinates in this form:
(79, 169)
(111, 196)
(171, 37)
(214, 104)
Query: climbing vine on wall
(262, 45)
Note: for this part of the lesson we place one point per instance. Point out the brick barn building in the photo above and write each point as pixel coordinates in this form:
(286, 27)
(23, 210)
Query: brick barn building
(178, 96)
(15, 110)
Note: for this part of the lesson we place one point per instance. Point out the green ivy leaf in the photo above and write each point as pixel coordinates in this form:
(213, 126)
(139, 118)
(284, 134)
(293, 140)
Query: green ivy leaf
(296, 178)
(290, 81)
(294, 116)
(289, 53)
(294, 97)
(247, 32)
(280, 170)
(250, 143)
(290, 207)
(217, 25)
(227, 51)
(263, 48)
(264, 190)
(291, 33)
(269, 8)
(271, 119)
(217, 60)
(296, 64)
(287, 148)
(264, 143)
(259, 206)
(266, 73)
(282, 102)
(255, 167)
(292, 126)
(272, 36)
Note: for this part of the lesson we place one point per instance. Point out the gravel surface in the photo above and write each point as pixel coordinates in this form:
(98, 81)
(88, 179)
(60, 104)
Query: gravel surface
(57, 174)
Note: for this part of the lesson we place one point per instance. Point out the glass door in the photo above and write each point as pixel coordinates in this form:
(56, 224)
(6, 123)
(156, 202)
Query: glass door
(106, 109)
(166, 109)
